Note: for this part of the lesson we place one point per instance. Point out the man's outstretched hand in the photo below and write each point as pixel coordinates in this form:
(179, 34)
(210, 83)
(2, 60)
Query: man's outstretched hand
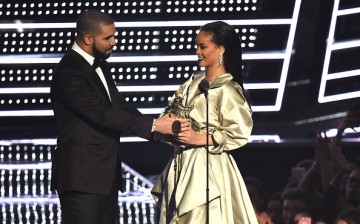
(170, 126)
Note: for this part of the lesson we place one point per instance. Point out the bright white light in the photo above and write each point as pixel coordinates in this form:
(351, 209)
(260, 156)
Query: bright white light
(53, 142)
(26, 113)
(34, 113)
(345, 44)
(36, 166)
(320, 118)
(332, 132)
(344, 74)
(196, 23)
(341, 96)
(332, 45)
(348, 11)
(265, 138)
(37, 59)
(262, 85)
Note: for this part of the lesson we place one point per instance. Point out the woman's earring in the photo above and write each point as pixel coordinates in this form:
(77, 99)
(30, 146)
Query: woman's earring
(220, 59)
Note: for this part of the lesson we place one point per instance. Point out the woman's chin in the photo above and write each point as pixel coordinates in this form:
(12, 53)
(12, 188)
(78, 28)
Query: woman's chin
(201, 64)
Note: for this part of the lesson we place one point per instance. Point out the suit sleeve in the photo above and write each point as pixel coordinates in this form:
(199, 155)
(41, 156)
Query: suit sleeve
(80, 97)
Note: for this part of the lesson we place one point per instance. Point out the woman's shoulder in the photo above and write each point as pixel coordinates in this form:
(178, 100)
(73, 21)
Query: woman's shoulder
(232, 86)
(231, 91)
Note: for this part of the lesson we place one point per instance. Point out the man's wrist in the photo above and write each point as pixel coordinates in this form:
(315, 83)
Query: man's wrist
(154, 126)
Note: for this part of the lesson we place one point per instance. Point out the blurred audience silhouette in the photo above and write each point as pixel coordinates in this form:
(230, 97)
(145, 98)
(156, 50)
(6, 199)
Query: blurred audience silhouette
(324, 189)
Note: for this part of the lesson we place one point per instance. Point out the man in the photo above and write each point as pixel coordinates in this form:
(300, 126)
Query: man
(297, 201)
(91, 114)
(352, 187)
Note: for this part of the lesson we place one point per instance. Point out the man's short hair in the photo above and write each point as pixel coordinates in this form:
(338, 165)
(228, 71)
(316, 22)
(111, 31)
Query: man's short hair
(90, 22)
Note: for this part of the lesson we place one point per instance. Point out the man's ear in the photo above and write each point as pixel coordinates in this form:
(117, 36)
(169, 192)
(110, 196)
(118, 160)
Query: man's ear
(88, 40)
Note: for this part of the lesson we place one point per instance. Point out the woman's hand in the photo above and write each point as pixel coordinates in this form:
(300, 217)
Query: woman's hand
(188, 136)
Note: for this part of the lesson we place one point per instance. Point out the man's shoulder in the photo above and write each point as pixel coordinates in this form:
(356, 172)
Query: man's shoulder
(71, 56)
(71, 60)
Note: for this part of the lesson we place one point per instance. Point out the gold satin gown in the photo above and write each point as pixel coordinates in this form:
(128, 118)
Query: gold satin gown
(181, 192)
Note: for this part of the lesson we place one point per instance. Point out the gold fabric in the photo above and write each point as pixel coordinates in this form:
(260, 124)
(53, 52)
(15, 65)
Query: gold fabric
(183, 200)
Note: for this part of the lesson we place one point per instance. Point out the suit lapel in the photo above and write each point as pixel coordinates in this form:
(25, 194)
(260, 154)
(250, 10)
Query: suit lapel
(90, 72)
(95, 79)
(113, 91)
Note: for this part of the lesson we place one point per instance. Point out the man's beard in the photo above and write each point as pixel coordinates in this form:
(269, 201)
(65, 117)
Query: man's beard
(98, 54)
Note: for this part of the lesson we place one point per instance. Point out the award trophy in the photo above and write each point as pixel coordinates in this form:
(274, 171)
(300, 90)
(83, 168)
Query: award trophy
(177, 109)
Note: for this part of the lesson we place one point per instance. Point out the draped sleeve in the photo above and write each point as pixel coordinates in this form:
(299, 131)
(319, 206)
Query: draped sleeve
(235, 121)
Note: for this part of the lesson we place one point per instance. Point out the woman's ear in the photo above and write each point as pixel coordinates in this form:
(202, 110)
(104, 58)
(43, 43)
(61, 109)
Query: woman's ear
(221, 50)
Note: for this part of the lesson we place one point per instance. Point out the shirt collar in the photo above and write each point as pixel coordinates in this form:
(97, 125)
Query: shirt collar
(85, 55)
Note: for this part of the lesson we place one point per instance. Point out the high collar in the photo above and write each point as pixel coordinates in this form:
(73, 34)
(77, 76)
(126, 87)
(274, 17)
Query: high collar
(219, 81)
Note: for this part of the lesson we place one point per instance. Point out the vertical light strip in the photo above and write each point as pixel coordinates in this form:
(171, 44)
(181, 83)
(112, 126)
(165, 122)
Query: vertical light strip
(330, 41)
(289, 47)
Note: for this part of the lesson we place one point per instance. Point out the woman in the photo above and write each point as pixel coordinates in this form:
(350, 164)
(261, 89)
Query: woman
(181, 189)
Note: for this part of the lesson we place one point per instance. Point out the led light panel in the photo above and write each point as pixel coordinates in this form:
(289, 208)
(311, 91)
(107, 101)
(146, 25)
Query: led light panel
(336, 78)
(45, 55)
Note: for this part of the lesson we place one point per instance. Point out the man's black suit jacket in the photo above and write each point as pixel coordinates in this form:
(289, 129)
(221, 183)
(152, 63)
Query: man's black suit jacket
(88, 153)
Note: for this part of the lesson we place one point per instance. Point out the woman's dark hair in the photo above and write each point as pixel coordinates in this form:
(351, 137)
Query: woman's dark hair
(223, 34)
